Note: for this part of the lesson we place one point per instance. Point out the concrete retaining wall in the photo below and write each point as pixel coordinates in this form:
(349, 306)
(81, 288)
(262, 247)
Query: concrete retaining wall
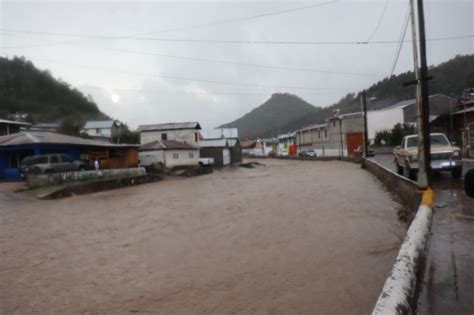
(406, 189)
(65, 177)
(79, 188)
(401, 289)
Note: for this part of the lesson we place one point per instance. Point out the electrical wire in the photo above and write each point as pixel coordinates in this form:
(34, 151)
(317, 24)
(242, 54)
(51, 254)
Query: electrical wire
(172, 77)
(401, 41)
(379, 22)
(190, 27)
(229, 41)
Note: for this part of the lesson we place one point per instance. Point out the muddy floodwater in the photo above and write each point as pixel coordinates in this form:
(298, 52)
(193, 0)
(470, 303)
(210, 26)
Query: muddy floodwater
(291, 237)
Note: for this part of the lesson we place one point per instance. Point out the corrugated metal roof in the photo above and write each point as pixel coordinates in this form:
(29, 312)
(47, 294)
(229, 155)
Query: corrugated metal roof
(212, 143)
(287, 135)
(467, 110)
(312, 127)
(167, 145)
(12, 122)
(100, 124)
(170, 126)
(46, 137)
(219, 133)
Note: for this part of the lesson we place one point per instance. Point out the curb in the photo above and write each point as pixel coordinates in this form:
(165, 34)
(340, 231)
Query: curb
(401, 289)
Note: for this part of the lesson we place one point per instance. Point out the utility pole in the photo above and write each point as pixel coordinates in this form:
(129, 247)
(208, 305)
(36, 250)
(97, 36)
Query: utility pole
(366, 137)
(422, 97)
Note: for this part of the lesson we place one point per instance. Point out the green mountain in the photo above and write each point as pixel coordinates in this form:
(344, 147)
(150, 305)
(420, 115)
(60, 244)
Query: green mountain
(24, 88)
(271, 117)
(285, 112)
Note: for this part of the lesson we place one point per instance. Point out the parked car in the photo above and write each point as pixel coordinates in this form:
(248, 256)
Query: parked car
(308, 153)
(50, 163)
(444, 156)
(360, 151)
(311, 153)
(206, 161)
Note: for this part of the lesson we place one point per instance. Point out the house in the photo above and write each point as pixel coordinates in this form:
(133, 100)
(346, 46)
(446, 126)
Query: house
(248, 147)
(9, 126)
(287, 144)
(52, 127)
(265, 147)
(218, 149)
(220, 133)
(186, 132)
(15, 147)
(232, 137)
(341, 135)
(385, 118)
(103, 129)
(170, 153)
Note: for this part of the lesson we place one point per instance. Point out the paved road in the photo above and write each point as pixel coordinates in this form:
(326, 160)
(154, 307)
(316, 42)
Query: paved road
(449, 278)
(293, 237)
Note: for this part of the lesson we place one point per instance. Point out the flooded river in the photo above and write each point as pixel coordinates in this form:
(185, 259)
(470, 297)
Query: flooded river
(291, 237)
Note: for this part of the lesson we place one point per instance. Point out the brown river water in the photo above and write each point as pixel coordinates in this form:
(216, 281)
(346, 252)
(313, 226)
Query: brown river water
(291, 237)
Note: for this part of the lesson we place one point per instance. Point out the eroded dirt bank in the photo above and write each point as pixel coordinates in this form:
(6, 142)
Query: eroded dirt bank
(290, 238)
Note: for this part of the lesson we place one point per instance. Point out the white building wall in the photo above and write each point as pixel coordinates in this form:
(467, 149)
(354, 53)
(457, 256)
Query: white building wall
(103, 132)
(383, 119)
(148, 158)
(188, 136)
(183, 158)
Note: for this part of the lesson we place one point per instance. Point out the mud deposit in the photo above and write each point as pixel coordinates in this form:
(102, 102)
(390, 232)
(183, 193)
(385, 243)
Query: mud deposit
(290, 237)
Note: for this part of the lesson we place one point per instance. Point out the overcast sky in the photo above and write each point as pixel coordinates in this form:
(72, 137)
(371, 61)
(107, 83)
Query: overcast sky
(143, 79)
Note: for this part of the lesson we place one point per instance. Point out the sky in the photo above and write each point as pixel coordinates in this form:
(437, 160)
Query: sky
(210, 61)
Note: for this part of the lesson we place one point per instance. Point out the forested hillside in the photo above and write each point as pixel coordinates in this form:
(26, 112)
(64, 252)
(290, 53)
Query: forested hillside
(25, 88)
(271, 118)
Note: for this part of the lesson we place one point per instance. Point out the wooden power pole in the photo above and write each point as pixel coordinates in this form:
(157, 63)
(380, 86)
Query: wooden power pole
(422, 96)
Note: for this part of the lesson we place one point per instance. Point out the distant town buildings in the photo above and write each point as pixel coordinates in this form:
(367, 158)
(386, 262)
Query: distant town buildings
(103, 129)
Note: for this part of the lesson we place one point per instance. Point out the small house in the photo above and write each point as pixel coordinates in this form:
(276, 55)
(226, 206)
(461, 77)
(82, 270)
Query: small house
(218, 149)
(9, 126)
(169, 153)
(185, 132)
(103, 129)
(15, 147)
(232, 137)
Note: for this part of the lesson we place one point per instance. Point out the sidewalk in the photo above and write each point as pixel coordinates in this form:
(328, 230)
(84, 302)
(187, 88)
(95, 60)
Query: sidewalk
(449, 274)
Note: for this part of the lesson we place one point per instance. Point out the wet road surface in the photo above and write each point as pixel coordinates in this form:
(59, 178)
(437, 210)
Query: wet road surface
(449, 276)
(293, 237)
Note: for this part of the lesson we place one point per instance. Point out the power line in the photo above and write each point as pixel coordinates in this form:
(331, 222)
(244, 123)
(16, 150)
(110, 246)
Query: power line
(131, 36)
(234, 62)
(402, 38)
(379, 22)
(265, 66)
(229, 41)
(172, 77)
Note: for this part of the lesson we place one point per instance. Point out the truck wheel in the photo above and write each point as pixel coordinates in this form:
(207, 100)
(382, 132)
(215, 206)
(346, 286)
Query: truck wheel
(399, 169)
(456, 172)
(409, 173)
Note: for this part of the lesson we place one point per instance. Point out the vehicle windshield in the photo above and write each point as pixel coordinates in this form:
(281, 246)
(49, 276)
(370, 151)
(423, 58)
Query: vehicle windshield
(435, 140)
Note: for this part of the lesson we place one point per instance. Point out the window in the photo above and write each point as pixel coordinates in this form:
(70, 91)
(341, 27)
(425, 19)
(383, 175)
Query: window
(97, 130)
(65, 158)
(319, 134)
(175, 155)
(54, 159)
(196, 138)
(191, 155)
(325, 133)
(41, 160)
(164, 137)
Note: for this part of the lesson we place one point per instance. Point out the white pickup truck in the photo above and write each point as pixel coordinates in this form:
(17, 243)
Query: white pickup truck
(444, 156)
(206, 161)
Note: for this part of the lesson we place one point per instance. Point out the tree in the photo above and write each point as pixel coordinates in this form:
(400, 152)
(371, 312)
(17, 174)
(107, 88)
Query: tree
(71, 127)
(127, 136)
